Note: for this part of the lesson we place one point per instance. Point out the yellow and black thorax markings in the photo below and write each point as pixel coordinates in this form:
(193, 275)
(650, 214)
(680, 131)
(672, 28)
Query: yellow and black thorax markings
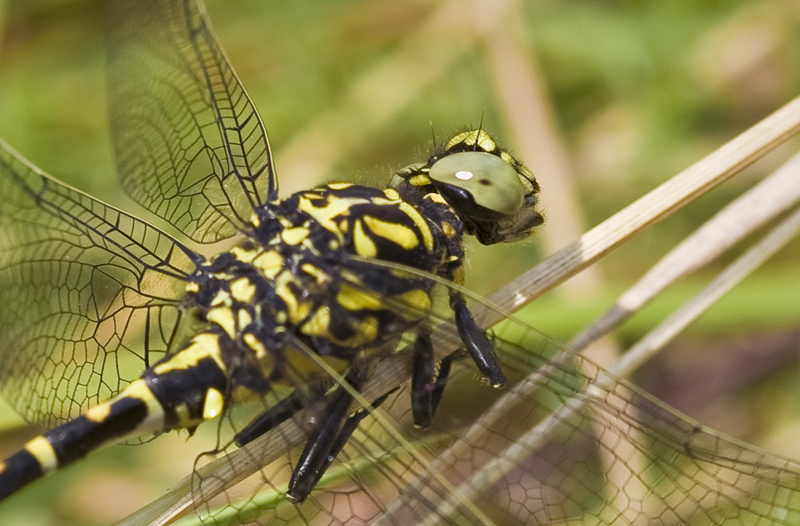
(294, 277)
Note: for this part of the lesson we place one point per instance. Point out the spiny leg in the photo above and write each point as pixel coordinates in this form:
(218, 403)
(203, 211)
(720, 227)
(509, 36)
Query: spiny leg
(315, 456)
(476, 342)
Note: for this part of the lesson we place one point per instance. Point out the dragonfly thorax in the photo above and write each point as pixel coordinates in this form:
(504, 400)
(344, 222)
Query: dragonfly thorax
(294, 279)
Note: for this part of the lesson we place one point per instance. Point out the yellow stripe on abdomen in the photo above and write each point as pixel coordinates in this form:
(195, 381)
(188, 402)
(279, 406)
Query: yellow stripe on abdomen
(42, 450)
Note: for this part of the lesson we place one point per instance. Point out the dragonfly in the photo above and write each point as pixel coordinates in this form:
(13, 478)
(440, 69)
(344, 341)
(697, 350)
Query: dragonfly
(288, 300)
(105, 306)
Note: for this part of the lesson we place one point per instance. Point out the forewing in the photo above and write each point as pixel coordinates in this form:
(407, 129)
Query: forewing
(563, 443)
(190, 146)
(87, 294)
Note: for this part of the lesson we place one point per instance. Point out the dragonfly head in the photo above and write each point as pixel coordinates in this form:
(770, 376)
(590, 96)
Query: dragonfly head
(492, 192)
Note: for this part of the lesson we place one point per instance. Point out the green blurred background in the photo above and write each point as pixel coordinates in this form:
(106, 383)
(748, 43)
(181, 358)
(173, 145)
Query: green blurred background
(637, 90)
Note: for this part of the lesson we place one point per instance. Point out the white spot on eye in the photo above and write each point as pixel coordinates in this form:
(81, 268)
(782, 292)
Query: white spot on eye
(464, 175)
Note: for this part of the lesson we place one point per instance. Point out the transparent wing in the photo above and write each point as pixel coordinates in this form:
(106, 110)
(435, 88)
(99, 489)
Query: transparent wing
(568, 444)
(80, 282)
(189, 144)
(563, 443)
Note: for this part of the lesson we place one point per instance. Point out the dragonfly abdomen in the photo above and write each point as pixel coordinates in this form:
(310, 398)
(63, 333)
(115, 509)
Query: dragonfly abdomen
(115, 419)
(181, 391)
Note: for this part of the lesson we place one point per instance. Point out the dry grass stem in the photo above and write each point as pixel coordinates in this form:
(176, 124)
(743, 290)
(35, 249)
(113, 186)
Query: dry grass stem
(721, 285)
(760, 205)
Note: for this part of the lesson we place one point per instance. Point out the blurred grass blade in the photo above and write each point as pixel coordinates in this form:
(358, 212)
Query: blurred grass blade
(394, 83)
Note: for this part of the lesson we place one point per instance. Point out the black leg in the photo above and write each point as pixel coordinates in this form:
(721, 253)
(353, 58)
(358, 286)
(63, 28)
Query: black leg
(314, 459)
(279, 413)
(477, 344)
(422, 380)
(441, 381)
(426, 392)
(347, 431)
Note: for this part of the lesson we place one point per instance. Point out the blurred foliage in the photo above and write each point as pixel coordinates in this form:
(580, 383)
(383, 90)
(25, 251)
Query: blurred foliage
(640, 90)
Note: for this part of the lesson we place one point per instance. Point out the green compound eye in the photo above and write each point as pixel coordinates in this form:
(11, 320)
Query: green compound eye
(492, 182)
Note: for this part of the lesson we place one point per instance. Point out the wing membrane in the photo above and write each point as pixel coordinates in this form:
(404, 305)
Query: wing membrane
(79, 281)
(190, 145)
(568, 444)
(564, 443)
